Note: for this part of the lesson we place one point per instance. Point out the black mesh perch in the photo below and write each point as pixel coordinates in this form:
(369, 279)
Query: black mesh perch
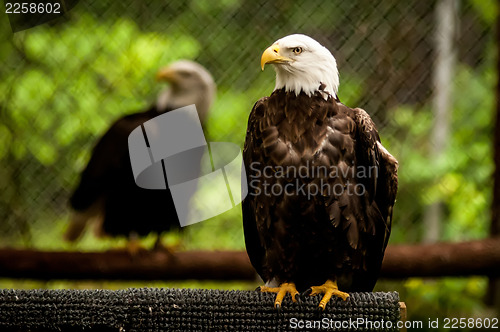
(149, 309)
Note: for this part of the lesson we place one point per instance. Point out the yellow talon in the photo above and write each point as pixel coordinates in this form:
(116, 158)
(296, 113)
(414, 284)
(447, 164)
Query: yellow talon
(329, 288)
(282, 290)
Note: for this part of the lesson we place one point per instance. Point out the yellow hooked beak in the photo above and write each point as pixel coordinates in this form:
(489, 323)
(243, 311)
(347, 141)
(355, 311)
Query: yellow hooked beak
(166, 74)
(272, 55)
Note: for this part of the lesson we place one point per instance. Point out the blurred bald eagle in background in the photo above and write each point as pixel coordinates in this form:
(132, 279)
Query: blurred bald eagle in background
(321, 187)
(107, 191)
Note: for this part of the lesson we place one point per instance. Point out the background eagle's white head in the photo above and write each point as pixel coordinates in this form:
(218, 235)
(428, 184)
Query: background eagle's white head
(302, 64)
(189, 83)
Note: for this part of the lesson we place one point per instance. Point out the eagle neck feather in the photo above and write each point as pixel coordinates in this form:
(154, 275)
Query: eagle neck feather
(298, 116)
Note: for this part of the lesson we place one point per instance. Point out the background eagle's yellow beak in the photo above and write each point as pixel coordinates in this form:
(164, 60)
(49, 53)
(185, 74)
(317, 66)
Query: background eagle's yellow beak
(272, 55)
(166, 74)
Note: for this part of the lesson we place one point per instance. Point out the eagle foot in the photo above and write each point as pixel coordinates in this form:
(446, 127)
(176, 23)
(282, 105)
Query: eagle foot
(329, 289)
(282, 290)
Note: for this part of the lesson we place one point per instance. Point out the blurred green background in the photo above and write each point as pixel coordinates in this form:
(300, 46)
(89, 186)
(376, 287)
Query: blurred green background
(63, 83)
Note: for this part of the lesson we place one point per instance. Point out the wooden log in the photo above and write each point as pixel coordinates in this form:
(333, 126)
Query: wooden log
(481, 257)
(121, 265)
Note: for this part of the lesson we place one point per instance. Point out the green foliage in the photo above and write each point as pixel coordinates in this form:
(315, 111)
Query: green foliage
(116, 285)
(66, 90)
(441, 298)
(487, 10)
(445, 298)
(461, 176)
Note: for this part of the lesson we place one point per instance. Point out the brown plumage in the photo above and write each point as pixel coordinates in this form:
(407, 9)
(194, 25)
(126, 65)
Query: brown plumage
(302, 236)
(321, 190)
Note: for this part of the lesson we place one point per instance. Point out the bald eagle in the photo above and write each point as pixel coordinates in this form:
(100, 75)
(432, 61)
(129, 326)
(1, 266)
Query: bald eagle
(107, 190)
(321, 187)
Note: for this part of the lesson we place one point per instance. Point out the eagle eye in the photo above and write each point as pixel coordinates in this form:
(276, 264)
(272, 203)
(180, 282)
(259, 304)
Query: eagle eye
(297, 50)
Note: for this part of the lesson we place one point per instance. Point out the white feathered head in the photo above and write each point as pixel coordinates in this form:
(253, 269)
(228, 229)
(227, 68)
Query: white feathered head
(302, 64)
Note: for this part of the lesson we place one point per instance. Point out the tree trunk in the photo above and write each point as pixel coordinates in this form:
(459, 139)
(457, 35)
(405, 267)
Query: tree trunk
(446, 13)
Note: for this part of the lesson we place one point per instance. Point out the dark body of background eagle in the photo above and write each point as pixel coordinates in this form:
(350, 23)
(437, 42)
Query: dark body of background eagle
(107, 190)
(321, 187)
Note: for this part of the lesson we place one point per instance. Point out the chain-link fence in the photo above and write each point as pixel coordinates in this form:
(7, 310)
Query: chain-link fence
(63, 83)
